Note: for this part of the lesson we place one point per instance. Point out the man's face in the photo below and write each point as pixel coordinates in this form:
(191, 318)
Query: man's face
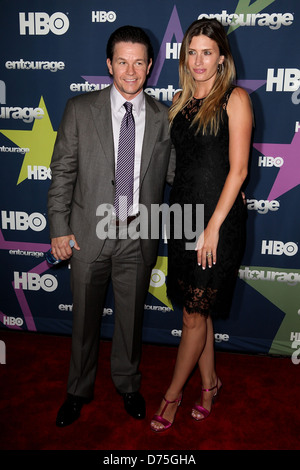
(129, 68)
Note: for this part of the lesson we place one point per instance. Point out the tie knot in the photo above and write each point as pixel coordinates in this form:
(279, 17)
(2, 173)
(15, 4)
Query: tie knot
(128, 107)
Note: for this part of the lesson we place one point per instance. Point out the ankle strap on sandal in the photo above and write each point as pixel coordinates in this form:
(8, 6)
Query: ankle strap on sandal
(178, 400)
(209, 389)
(174, 401)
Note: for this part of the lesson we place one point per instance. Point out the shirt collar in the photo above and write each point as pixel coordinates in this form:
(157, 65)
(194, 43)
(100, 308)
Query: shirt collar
(118, 101)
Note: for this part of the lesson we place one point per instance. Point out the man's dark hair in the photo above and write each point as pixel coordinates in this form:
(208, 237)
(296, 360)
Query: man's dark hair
(128, 34)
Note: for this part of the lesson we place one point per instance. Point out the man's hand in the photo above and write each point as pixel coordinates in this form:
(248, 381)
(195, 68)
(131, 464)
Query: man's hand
(60, 247)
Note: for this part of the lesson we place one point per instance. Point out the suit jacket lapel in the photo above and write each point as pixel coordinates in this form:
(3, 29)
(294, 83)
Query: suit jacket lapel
(152, 124)
(101, 111)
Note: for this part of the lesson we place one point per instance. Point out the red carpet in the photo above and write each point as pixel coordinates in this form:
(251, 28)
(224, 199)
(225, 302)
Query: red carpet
(258, 408)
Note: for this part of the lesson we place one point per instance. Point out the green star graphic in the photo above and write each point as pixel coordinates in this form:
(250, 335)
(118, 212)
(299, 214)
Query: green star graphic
(40, 140)
(157, 284)
(282, 288)
(245, 7)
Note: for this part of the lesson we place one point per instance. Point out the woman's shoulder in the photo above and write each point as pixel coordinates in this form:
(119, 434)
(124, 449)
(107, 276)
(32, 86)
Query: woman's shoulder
(237, 92)
(238, 96)
(239, 106)
(176, 96)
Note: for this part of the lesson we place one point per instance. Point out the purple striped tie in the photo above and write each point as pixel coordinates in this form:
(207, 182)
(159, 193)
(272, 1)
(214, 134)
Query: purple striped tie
(125, 165)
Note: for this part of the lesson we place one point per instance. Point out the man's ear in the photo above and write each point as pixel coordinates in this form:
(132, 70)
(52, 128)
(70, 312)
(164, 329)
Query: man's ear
(109, 66)
(149, 66)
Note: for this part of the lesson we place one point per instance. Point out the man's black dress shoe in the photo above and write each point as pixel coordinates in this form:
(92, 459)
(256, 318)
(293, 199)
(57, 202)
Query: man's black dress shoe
(134, 404)
(70, 410)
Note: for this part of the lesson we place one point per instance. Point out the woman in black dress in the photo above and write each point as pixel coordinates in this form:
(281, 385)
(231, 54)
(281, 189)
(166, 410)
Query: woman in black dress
(211, 126)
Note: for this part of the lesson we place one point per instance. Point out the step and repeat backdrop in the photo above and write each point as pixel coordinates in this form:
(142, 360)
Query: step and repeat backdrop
(53, 50)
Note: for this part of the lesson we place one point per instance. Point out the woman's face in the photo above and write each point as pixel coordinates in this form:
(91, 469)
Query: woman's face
(203, 59)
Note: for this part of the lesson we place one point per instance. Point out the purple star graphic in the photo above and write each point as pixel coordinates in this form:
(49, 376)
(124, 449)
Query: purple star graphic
(98, 80)
(173, 29)
(39, 269)
(289, 174)
(250, 85)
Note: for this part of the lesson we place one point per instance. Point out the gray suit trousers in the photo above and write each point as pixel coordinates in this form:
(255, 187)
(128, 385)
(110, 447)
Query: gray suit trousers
(121, 261)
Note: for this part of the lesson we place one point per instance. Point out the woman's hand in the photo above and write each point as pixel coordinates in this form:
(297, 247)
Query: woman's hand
(207, 247)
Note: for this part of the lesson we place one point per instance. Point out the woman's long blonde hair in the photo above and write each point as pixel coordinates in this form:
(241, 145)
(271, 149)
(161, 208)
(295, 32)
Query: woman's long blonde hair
(209, 113)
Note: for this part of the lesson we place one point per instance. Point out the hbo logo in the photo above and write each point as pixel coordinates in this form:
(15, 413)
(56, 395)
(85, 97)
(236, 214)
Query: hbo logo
(103, 16)
(270, 161)
(12, 321)
(38, 172)
(22, 221)
(41, 23)
(275, 247)
(157, 278)
(33, 281)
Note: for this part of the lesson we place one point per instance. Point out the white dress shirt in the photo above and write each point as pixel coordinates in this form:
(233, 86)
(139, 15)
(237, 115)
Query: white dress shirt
(139, 114)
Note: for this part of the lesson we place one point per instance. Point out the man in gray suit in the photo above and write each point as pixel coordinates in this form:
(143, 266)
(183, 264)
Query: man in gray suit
(83, 169)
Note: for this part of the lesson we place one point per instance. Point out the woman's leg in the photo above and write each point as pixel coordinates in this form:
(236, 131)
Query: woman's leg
(207, 371)
(193, 342)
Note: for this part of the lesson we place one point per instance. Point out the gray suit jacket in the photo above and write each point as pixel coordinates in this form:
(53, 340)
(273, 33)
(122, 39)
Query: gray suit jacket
(83, 170)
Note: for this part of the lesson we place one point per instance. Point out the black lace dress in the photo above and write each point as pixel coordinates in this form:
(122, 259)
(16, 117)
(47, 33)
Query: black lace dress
(202, 165)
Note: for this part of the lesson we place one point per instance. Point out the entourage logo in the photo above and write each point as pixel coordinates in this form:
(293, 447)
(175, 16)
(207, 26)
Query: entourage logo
(86, 86)
(41, 24)
(22, 64)
(36, 254)
(26, 114)
(157, 308)
(253, 274)
(162, 94)
(247, 13)
(262, 206)
(273, 21)
(21, 150)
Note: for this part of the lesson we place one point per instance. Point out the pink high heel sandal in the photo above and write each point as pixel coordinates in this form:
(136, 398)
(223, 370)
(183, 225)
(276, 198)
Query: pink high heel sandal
(198, 408)
(159, 418)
